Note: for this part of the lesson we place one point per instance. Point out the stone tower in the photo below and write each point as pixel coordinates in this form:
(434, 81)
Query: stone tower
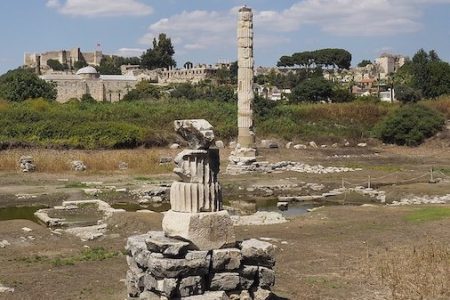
(246, 138)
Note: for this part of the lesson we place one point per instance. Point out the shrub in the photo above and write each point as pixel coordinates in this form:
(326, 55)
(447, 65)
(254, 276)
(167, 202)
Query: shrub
(407, 94)
(410, 125)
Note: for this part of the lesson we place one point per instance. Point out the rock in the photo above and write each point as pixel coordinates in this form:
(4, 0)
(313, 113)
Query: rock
(174, 146)
(362, 145)
(78, 165)
(283, 206)
(123, 165)
(232, 145)
(189, 286)
(259, 253)
(289, 145)
(92, 192)
(219, 295)
(300, 146)
(136, 244)
(266, 277)
(133, 281)
(4, 244)
(5, 289)
(26, 164)
(313, 145)
(88, 233)
(147, 295)
(225, 282)
(248, 276)
(226, 259)
(158, 242)
(165, 160)
(166, 286)
(220, 144)
(206, 231)
(261, 294)
(269, 144)
(324, 146)
(335, 145)
(259, 218)
(195, 263)
(26, 229)
(198, 133)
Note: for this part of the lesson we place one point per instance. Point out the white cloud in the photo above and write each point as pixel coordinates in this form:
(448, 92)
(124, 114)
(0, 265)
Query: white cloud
(200, 29)
(101, 8)
(129, 52)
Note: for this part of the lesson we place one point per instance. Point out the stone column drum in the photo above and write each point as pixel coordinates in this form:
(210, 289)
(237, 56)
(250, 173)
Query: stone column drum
(196, 213)
(246, 138)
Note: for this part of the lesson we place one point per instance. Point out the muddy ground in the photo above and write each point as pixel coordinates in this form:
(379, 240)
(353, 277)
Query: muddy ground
(336, 252)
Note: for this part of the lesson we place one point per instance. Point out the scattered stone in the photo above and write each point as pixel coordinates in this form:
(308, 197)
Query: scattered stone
(256, 252)
(26, 164)
(289, 145)
(232, 145)
(219, 144)
(92, 192)
(78, 166)
(174, 146)
(121, 190)
(5, 289)
(259, 218)
(313, 145)
(418, 200)
(299, 146)
(4, 244)
(269, 144)
(26, 229)
(362, 145)
(335, 145)
(88, 233)
(123, 165)
(324, 146)
(347, 144)
(283, 206)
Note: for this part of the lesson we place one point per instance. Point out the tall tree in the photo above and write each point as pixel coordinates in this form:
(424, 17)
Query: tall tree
(161, 55)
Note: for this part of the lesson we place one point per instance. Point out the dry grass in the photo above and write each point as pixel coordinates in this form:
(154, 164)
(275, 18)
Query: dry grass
(442, 105)
(56, 161)
(421, 272)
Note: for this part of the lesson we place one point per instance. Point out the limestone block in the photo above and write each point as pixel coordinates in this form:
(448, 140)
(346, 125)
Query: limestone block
(256, 252)
(158, 242)
(147, 295)
(192, 265)
(136, 244)
(266, 277)
(261, 294)
(165, 286)
(206, 231)
(135, 283)
(225, 282)
(248, 276)
(219, 295)
(189, 286)
(226, 259)
(198, 133)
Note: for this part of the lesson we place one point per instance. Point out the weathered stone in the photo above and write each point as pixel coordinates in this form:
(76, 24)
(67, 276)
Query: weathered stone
(136, 244)
(219, 295)
(289, 145)
(261, 294)
(189, 286)
(78, 166)
(26, 164)
(198, 133)
(220, 144)
(165, 286)
(248, 276)
(232, 145)
(256, 252)
(269, 144)
(313, 145)
(224, 282)
(266, 277)
(135, 283)
(226, 259)
(206, 231)
(299, 146)
(174, 146)
(4, 244)
(195, 263)
(362, 145)
(147, 295)
(123, 165)
(158, 242)
(283, 205)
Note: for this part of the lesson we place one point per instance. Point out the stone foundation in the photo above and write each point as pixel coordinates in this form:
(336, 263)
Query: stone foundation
(167, 268)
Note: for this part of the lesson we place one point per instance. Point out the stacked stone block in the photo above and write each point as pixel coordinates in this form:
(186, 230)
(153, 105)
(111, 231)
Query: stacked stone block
(167, 268)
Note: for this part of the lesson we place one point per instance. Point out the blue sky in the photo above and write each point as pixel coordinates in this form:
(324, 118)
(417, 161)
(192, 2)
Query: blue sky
(203, 31)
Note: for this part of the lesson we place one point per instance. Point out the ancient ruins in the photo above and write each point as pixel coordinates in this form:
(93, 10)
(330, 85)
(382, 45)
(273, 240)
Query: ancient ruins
(197, 253)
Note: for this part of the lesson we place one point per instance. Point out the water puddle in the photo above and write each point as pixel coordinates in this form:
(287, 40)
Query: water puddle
(19, 213)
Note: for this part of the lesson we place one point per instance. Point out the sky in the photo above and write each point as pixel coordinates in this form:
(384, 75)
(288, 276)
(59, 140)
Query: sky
(204, 31)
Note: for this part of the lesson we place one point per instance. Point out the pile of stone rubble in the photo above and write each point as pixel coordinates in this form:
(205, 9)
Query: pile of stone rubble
(417, 200)
(284, 166)
(165, 268)
(152, 193)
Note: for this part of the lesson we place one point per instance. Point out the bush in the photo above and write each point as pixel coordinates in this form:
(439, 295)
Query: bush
(406, 94)
(410, 125)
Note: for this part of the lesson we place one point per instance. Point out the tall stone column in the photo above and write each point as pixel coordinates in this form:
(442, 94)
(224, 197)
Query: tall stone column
(246, 138)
